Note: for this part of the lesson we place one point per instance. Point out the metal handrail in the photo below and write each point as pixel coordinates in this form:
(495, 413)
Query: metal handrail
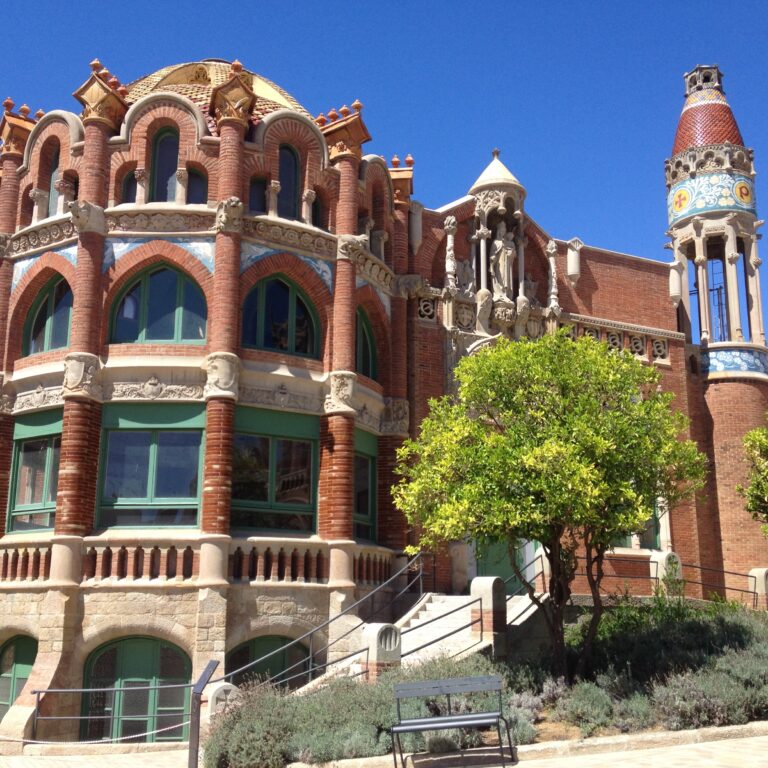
(309, 635)
(442, 616)
(452, 632)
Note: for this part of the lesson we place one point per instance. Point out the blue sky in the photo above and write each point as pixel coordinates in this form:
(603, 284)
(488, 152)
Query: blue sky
(582, 98)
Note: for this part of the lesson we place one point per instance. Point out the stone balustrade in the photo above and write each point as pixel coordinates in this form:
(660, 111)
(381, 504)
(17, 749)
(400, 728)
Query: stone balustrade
(371, 565)
(129, 560)
(278, 560)
(22, 561)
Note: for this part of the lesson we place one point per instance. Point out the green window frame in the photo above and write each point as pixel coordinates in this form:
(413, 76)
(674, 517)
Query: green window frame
(270, 444)
(133, 309)
(649, 536)
(165, 160)
(297, 324)
(49, 319)
(147, 664)
(365, 346)
(288, 666)
(17, 657)
(34, 471)
(146, 448)
(365, 486)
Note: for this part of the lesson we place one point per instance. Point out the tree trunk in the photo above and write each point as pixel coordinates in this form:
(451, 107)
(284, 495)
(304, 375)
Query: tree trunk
(593, 559)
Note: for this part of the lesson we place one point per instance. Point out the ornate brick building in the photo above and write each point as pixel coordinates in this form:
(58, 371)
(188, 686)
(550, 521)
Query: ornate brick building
(220, 320)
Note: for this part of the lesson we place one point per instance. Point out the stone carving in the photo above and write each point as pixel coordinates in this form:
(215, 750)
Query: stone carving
(552, 291)
(465, 278)
(285, 234)
(489, 200)
(221, 696)
(593, 332)
(573, 261)
(378, 238)
(152, 389)
(450, 226)
(408, 286)
(637, 345)
(502, 259)
(282, 397)
(159, 222)
(372, 269)
(40, 397)
(365, 417)
(631, 328)
(229, 215)
(614, 340)
(222, 375)
(504, 314)
(352, 247)
(342, 389)
(81, 375)
(660, 349)
(708, 158)
(42, 236)
(182, 175)
(533, 328)
(484, 307)
(427, 309)
(5, 244)
(465, 316)
(87, 217)
(308, 196)
(530, 286)
(395, 419)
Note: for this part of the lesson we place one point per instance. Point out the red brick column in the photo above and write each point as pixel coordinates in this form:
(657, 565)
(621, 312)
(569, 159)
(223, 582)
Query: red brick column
(76, 497)
(224, 336)
(9, 195)
(337, 433)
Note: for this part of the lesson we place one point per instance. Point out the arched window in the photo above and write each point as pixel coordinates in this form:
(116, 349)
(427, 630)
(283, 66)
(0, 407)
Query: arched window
(277, 315)
(162, 305)
(16, 659)
(140, 663)
(365, 350)
(197, 188)
(165, 160)
(318, 213)
(257, 196)
(53, 194)
(49, 319)
(287, 664)
(128, 188)
(289, 176)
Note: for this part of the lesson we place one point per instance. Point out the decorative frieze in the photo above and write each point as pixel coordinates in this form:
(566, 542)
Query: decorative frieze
(708, 159)
(396, 417)
(41, 397)
(662, 333)
(287, 235)
(222, 375)
(151, 389)
(280, 396)
(427, 308)
(342, 389)
(660, 349)
(734, 362)
(170, 221)
(42, 236)
(81, 376)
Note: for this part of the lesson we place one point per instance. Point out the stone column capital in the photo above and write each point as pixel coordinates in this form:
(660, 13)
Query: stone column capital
(229, 215)
(87, 217)
(342, 390)
(82, 374)
(222, 375)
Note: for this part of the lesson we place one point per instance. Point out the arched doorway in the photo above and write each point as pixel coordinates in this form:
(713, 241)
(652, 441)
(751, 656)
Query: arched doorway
(16, 659)
(285, 664)
(140, 666)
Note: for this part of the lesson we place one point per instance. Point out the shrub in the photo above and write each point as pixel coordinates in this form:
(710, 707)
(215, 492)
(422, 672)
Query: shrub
(634, 713)
(683, 704)
(587, 706)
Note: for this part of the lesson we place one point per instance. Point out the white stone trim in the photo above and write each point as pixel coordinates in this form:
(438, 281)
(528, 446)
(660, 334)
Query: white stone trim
(569, 318)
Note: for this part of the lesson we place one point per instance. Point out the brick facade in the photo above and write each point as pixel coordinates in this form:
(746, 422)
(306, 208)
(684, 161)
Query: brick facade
(356, 241)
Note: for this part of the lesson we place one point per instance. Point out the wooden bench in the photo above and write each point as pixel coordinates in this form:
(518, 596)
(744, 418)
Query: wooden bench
(430, 689)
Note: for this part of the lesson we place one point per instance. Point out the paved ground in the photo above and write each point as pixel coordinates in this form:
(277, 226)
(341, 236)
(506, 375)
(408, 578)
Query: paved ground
(728, 753)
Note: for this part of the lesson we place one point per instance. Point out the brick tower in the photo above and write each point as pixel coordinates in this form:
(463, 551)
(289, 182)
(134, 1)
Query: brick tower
(715, 285)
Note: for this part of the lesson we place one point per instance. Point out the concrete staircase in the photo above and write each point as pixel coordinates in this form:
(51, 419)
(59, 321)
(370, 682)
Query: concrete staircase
(427, 621)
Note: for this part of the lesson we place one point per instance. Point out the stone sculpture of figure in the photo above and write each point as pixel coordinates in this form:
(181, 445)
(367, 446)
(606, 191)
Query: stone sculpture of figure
(484, 307)
(465, 277)
(530, 286)
(502, 257)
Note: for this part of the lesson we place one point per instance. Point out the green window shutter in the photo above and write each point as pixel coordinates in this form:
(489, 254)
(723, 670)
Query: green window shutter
(38, 424)
(276, 423)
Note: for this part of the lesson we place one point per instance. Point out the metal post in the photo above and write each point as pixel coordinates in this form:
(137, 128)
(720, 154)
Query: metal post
(34, 719)
(194, 713)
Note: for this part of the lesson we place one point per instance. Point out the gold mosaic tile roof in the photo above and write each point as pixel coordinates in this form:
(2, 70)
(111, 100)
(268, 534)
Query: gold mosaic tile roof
(196, 80)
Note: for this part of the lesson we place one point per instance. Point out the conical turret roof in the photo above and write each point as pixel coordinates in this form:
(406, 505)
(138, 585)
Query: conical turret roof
(706, 117)
(496, 176)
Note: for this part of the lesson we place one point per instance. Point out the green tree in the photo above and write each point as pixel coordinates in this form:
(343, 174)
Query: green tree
(559, 441)
(756, 492)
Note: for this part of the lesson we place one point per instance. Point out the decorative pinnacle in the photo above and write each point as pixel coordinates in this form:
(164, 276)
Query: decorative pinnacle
(332, 114)
(24, 111)
(236, 67)
(344, 111)
(9, 104)
(395, 161)
(39, 114)
(95, 66)
(357, 105)
(105, 75)
(496, 152)
(409, 160)
(321, 119)
(113, 83)
(123, 91)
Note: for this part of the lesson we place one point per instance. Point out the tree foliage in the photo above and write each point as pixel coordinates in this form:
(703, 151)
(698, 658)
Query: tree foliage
(756, 491)
(559, 441)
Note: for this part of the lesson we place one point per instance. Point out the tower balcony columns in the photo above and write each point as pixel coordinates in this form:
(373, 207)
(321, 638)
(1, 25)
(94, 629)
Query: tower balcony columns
(705, 312)
(752, 266)
(732, 284)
